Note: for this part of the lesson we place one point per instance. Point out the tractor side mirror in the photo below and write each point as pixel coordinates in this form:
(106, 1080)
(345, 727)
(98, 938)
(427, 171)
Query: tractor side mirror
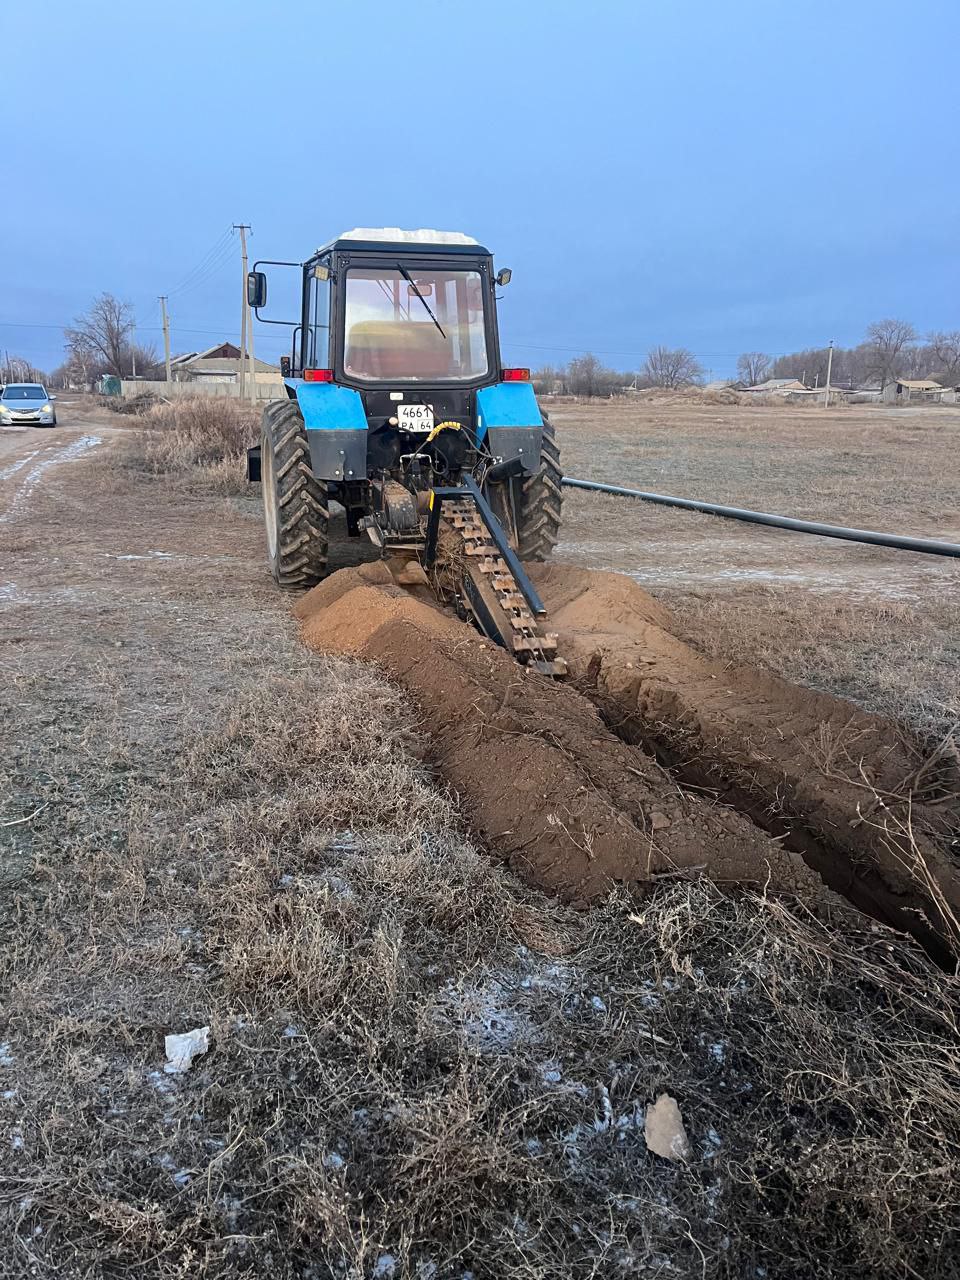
(256, 289)
(504, 276)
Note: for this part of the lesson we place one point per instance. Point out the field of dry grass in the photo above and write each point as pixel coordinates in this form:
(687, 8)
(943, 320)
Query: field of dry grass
(418, 1068)
(880, 627)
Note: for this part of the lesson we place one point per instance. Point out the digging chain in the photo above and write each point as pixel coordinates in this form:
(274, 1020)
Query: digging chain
(530, 645)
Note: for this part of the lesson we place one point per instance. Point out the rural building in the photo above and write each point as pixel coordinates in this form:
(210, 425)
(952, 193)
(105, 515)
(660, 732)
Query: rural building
(217, 364)
(922, 390)
(775, 386)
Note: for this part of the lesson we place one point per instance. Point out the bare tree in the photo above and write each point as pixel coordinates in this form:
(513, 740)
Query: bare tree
(586, 376)
(666, 368)
(944, 350)
(583, 375)
(887, 339)
(809, 366)
(101, 337)
(145, 358)
(753, 367)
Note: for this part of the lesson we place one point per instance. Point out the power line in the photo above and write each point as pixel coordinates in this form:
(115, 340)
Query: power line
(211, 253)
(141, 328)
(210, 271)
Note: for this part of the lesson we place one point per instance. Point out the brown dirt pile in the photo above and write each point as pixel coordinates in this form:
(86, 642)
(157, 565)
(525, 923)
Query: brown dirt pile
(846, 788)
(541, 779)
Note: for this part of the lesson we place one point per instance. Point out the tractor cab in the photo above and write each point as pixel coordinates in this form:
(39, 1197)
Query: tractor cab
(407, 312)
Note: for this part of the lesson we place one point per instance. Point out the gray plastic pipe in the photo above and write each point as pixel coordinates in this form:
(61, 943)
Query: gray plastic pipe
(929, 546)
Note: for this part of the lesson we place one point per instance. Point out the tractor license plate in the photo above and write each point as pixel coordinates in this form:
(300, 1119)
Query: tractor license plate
(415, 417)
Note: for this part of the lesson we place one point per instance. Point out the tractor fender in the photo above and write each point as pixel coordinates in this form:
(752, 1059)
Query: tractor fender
(336, 426)
(509, 419)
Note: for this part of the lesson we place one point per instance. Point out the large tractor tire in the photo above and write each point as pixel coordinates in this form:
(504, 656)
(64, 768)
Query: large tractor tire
(539, 519)
(294, 502)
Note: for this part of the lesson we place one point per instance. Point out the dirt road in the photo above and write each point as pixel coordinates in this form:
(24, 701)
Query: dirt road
(122, 607)
(26, 454)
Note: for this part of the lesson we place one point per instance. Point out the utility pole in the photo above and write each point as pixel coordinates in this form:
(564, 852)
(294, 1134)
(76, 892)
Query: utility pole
(166, 340)
(826, 394)
(243, 228)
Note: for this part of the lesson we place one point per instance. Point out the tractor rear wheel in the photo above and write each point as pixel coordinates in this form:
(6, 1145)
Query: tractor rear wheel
(295, 506)
(539, 517)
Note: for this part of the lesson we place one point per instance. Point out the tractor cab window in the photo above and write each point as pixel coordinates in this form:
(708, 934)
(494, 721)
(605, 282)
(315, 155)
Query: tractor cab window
(414, 325)
(316, 337)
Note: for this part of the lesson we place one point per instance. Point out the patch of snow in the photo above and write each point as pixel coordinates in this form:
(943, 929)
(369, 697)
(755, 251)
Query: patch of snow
(149, 555)
(180, 1176)
(711, 1145)
(345, 842)
(385, 1267)
(484, 1013)
(162, 1083)
(14, 467)
(74, 450)
(6, 1054)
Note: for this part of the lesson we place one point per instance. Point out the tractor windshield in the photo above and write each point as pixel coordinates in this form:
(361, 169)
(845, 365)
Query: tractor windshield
(414, 325)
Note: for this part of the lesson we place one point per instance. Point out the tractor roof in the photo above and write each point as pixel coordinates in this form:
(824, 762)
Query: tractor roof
(424, 238)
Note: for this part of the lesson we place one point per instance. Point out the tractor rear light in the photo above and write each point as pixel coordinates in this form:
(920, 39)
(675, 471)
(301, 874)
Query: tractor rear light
(318, 375)
(516, 375)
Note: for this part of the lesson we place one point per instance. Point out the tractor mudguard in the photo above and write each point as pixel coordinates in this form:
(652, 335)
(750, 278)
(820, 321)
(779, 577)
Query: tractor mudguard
(509, 419)
(336, 426)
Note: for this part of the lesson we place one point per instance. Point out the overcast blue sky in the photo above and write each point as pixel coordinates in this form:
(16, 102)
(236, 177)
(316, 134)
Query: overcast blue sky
(719, 174)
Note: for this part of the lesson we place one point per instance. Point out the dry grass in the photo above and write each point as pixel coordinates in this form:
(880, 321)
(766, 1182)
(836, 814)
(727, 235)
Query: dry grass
(877, 626)
(420, 1069)
(205, 439)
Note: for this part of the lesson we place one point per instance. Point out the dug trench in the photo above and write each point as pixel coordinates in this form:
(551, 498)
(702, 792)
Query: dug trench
(653, 760)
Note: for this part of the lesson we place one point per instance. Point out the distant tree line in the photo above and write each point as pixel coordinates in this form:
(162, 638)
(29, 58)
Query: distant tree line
(672, 368)
(891, 349)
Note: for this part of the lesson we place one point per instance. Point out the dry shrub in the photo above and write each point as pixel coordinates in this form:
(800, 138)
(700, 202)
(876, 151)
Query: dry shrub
(421, 1069)
(201, 436)
(720, 395)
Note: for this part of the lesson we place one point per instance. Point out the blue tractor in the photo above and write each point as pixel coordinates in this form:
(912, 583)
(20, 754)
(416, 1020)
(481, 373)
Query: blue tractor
(399, 409)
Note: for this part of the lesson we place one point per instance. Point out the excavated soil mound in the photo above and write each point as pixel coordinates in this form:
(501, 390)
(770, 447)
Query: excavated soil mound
(846, 788)
(541, 779)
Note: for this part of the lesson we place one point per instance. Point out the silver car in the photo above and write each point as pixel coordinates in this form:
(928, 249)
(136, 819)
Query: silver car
(27, 402)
